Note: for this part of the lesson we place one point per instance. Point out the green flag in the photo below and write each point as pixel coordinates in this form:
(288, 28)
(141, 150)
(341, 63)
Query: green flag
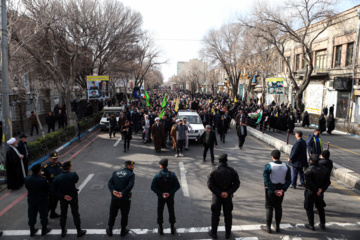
(164, 101)
(161, 114)
(146, 98)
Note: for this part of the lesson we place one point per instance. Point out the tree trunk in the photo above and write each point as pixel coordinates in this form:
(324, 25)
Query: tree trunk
(71, 116)
(35, 103)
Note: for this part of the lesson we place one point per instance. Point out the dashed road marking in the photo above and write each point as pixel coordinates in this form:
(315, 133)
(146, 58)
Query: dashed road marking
(117, 142)
(184, 185)
(87, 179)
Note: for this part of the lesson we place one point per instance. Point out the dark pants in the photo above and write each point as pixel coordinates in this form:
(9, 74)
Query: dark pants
(53, 201)
(160, 210)
(126, 143)
(136, 127)
(227, 205)
(32, 128)
(124, 206)
(312, 199)
(222, 136)
(179, 146)
(112, 130)
(33, 210)
(74, 205)
(51, 127)
(241, 141)
(295, 172)
(206, 148)
(273, 202)
(61, 124)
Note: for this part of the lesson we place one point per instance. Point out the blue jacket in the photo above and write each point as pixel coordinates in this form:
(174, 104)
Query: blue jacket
(122, 181)
(270, 186)
(298, 156)
(313, 146)
(155, 186)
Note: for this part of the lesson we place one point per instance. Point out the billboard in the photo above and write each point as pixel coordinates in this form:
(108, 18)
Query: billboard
(275, 85)
(98, 87)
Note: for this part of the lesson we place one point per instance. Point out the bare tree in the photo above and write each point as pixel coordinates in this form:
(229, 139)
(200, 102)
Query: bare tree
(301, 21)
(153, 79)
(212, 79)
(194, 78)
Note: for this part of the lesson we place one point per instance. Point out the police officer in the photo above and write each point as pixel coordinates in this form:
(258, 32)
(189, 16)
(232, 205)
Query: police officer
(165, 184)
(52, 169)
(317, 181)
(223, 182)
(38, 191)
(120, 185)
(65, 190)
(277, 179)
(126, 131)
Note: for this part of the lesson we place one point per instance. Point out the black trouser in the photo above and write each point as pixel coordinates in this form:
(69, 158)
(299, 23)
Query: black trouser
(160, 210)
(241, 141)
(222, 136)
(206, 148)
(51, 127)
(74, 205)
(273, 202)
(33, 210)
(112, 130)
(179, 146)
(227, 205)
(312, 199)
(126, 143)
(61, 125)
(124, 206)
(53, 201)
(32, 128)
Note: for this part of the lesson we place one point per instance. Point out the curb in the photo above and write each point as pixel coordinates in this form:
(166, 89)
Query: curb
(342, 174)
(345, 133)
(63, 146)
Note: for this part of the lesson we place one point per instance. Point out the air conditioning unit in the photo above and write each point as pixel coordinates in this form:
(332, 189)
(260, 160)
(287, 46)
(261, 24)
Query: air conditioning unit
(342, 84)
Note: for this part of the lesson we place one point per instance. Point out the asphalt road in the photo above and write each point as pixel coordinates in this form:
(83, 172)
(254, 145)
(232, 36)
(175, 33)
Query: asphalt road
(95, 161)
(344, 148)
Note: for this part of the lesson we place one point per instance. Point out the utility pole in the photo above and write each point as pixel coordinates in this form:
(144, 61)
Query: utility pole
(5, 79)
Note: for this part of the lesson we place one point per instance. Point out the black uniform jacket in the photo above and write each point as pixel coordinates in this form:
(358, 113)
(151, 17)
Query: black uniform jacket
(64, 184)
(223, 179)
(38, 189)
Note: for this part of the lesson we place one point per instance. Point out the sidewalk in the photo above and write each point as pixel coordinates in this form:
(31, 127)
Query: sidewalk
(344, 151)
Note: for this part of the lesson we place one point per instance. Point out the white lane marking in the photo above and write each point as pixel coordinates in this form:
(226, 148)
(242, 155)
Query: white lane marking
(247, 238)
(117, 142)
(184, 185)
(87, 179)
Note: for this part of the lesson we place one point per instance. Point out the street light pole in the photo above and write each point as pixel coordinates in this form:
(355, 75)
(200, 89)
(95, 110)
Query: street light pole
(5, 78)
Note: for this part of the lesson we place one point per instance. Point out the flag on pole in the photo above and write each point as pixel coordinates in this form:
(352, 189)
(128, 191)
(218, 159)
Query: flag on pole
(164, 102)
(177, 104)
(235, 100)
(259, 116)
(161, 114)
(254, 114)
(146, 96)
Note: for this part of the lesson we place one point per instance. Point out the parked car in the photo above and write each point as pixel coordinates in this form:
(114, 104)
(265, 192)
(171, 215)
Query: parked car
(195, 122)
(108, 111)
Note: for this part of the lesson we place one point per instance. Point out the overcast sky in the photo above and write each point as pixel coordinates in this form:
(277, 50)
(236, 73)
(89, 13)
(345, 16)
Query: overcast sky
(178, 26)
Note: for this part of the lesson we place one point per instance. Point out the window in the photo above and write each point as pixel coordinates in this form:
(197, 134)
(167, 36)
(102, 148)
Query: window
(338, 56)
(320, 61)
(297, 62)
(349, 54)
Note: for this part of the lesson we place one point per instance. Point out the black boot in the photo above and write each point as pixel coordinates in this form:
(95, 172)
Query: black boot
(266, 228)
(124, 231)
(213, 235)
(54, 214)
(45, 230)
(80, 232)
(161, 229)
(109, 231)
(173, 229)
(63, 232)
(33, 230)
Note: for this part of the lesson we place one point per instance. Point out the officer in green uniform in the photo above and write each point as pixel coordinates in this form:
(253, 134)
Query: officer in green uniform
(52, 169)
(120, 185)
(38, 190)
(65, 190)
(165, 184)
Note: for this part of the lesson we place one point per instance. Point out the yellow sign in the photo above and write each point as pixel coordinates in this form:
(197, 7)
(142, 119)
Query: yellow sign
(98, 78)
(357, 92)
(274, 79)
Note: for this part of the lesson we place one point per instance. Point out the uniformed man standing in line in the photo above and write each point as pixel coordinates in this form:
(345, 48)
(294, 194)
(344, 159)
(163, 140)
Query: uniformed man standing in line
(277, 179)
(38, 192)
(317, 181)
(165, 184)
(65, 190)
(52, 169)
(120, 185)
(223, 182)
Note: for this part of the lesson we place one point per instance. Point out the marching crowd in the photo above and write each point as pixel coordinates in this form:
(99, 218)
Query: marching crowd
(158, 123)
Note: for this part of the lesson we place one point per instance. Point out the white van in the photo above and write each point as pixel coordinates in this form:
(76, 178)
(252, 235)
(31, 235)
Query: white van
(108, 111)
(195, 122)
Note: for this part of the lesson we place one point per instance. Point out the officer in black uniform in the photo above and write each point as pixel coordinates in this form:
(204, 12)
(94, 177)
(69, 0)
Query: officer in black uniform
(38, 192)
(52, 169)
(165, 184)
(65, 190)
(317, 181)
(120, 185)
(223, 182)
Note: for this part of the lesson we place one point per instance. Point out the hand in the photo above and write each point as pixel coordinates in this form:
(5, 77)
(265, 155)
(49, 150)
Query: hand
(67, 198)
(196, 140)
(279, 193)
(166, 195)
(319, 192)
(217, 146)
(288, 159)
(21, 156)
(224, 194)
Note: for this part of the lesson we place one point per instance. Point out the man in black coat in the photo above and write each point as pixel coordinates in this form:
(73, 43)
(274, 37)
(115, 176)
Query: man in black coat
(330, 124)
(222, 128)
(223, 182)
(209, 140)
(112, 125)
(241, 133)
(322, 123)
(23, 149)
(15, 171)
(50, 121)
(325, 160)
(38, 189)
(126, 132)
(331, 110)
(298, 160)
